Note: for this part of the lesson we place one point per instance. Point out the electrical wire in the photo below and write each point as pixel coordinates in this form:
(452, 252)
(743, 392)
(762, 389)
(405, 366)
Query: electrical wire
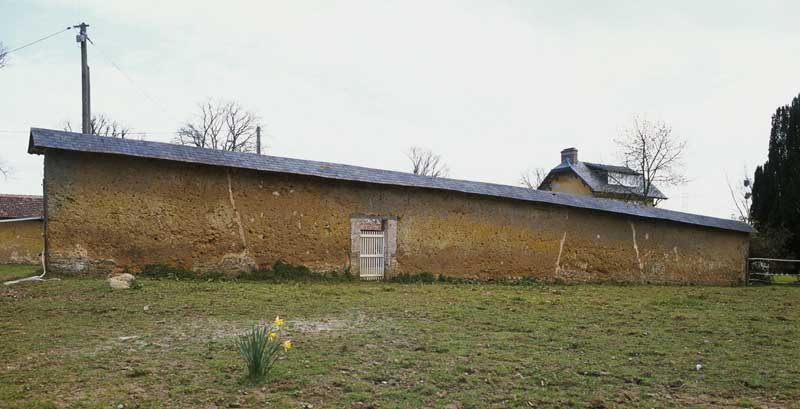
(109, 60)
(124, 74)
(38, 41)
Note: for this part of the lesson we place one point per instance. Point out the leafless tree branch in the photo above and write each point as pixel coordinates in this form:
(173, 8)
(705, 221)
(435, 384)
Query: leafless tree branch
(532, 178)
(104, 126)
(426, 163)
(220, 125)
(3, 55)
(5, 170)
(741, 196)
(651, 148)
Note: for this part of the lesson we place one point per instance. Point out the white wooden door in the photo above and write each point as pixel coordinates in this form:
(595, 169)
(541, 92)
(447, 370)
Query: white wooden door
(371, 259)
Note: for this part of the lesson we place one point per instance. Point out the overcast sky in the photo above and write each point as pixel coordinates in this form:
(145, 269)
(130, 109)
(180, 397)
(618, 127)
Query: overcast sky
(496, 87)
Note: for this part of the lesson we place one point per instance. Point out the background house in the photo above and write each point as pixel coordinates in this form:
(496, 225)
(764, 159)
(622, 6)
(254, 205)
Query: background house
(593, 179)
(21, 228)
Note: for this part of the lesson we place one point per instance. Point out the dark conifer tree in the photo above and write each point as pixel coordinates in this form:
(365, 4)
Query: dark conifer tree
(776, 184)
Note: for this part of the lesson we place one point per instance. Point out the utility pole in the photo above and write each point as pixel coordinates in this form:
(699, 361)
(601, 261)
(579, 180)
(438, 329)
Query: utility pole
(258, 139)
(86, 119)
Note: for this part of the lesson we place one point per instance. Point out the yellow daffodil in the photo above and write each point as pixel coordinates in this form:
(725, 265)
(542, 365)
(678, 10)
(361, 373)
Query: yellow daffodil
(278, 322)
(287, 345)
(271, 336)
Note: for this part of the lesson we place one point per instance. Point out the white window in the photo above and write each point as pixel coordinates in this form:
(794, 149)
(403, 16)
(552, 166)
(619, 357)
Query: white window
(624, 179)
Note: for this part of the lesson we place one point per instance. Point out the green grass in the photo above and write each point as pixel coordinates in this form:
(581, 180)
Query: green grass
(786, 279)
(14, 271)
(64, 344)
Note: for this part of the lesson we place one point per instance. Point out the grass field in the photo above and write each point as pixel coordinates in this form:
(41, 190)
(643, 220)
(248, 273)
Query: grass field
(14, 271)
(75, 343)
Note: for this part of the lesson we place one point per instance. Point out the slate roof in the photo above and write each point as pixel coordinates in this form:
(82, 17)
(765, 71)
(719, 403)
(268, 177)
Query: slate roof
(20, 206)
(610, 168)
(42, 140)
(595, 176)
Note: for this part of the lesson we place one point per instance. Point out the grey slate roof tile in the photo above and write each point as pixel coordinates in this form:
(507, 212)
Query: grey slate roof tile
(43, 139)
(612, 168)
(593, 175)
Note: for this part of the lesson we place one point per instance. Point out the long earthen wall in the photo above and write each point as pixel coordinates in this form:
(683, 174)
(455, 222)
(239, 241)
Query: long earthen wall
(111, 212)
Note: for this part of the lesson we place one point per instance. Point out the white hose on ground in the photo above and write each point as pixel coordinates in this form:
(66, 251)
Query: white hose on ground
(34, 278)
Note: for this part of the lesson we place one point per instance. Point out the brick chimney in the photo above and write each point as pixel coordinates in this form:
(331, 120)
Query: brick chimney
(569, 155)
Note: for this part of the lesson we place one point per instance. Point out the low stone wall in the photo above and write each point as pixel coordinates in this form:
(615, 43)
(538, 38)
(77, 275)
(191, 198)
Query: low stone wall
(21, 242)
(108, 212)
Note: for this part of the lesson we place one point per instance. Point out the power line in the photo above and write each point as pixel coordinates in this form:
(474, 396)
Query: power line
(124, 74)
(109, 60)
(39, 40)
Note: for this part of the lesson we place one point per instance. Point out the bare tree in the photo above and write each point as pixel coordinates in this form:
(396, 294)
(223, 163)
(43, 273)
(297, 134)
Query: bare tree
(426, 163)
(102, 125)
(532, 178)
(222, 125)
(3, 55)
(650, 148)
(5, 170)
(742, 195)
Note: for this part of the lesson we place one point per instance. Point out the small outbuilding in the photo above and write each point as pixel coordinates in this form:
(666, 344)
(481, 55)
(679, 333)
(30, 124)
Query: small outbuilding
(116, 203)
(21, 229)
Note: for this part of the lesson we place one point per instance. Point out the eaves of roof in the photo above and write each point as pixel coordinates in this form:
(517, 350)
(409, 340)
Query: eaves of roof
(42, 140)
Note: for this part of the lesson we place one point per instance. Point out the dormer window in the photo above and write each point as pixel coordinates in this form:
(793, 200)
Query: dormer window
(624, 179)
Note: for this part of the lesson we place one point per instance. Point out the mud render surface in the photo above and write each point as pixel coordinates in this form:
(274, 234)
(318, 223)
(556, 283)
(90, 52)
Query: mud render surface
(21, 242)
(109, 212)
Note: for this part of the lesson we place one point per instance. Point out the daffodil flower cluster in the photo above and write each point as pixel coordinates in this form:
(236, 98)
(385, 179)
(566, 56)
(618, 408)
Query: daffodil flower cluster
(260, 348)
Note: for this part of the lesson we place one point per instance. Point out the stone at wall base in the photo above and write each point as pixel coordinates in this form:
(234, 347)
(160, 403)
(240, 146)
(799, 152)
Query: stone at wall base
(121, 281)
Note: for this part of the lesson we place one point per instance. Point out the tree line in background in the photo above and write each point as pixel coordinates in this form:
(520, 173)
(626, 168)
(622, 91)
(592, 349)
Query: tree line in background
(648, 147)
(775, 208)
(100, 124)
(223, 125)
(219, 124)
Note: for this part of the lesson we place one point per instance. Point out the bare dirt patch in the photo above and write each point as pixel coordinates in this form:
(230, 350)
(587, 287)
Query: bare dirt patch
(359, 321)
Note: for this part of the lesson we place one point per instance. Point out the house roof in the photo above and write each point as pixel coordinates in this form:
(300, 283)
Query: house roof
(595, 176)
(21, 206)
(611, 168)
(42, 140)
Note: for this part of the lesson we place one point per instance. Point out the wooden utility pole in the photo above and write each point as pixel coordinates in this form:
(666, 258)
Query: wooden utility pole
(86, 119)
(258, 139)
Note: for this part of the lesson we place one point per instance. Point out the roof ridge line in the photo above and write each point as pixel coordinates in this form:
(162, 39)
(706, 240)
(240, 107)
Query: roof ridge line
(44, 139)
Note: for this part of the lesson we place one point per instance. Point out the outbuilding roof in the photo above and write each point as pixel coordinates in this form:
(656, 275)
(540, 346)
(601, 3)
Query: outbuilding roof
(21, 206)
(595, 175)
(42, 140)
